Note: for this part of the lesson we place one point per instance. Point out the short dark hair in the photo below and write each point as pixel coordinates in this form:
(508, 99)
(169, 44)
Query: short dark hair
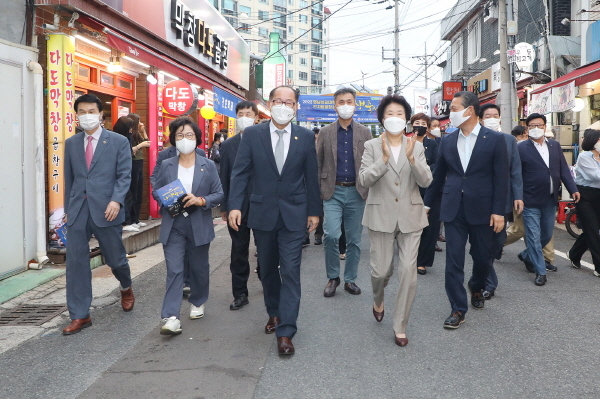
(535, 116)
(296, 92)
(316, 130)
(590, 138)
(393, 98)
(246, 104)
(485, 107)
(420, 117)
(184, 121)
(468, 99)
(88, 99)
(344, 90)
(123, 125)
(518, 130)
(217, 136)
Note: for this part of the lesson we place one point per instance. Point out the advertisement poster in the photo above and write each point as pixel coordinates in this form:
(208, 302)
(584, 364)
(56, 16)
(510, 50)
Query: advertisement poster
(273, 76)
(61, 124)
(321, 109)
(541, 103)
(421, 101)
(563, 97)
(439, 108)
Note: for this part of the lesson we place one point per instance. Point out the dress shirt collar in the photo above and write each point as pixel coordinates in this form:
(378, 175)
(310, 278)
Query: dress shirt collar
(273, 128)
(350, 126)
(96, 134)
(540, 145)
(475, 131)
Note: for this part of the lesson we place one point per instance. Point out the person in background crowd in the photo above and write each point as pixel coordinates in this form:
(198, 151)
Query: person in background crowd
(215, 150)
(428, 246)
(124, 126)
(319, 229)
(139, 141)
(224, 134)
(587, 178)
(520, 133)
(393, 168)
(97, 166)
(284, 203)
(340, 149)
(489, 115)
(544, 167)
(472, 175)
(187, 235)
(434, 132)
(247, 115)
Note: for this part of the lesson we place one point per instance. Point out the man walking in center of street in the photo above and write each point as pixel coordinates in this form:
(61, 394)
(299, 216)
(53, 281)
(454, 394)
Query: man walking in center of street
(97, 178)
(340, 148)
(472, 175)
(281, 160)
(544, 167)
(247, 115)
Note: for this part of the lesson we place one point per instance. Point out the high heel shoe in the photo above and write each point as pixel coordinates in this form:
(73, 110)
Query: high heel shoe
(378, 315)
(401, 341)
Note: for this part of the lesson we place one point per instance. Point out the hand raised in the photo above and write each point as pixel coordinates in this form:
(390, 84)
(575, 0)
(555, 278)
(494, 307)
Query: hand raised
(385, 148)
(410, 146)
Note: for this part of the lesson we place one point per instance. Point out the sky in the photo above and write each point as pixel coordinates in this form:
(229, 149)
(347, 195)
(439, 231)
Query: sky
(359, 30)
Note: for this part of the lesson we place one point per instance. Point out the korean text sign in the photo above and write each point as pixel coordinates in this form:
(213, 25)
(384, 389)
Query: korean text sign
(224, 103)
(180, 98)
(321, 109)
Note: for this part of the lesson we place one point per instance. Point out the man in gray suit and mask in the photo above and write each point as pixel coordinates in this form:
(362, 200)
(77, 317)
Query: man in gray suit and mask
(97, 178)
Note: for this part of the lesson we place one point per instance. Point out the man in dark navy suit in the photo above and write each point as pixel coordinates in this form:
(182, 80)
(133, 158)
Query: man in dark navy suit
(544, 167)
(281, 160)
(472, 174)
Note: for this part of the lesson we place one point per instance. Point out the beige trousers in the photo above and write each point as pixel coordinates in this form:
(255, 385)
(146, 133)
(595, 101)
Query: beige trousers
(382, 268)
(516, 231)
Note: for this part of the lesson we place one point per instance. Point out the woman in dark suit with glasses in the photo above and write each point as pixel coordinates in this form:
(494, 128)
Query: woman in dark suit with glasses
(188, 234)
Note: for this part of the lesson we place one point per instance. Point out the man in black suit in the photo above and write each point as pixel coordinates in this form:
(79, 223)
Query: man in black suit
(247, 115)
(285, 201)
(472, 174)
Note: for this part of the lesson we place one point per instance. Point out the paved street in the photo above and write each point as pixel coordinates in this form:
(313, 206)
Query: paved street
(528, 342)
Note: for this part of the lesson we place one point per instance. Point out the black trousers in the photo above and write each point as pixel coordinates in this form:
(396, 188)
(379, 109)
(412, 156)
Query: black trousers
(240, 265)
(430, 235)
(588, 213)
(136, 189)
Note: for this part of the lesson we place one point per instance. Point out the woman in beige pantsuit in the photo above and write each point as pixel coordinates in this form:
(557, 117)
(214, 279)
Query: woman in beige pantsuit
(393, 167)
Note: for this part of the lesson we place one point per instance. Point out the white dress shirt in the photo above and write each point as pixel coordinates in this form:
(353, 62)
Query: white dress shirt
(95, 135)
(545, 154)
(587, 170)
(465, 145)
(186, 177)
(286, 138)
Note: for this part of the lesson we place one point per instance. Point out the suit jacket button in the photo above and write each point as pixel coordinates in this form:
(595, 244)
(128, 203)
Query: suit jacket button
(396, 183)
(88, 178)
(396, 199)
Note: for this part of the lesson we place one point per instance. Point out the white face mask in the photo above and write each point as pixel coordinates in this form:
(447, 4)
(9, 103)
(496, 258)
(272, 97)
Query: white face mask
(436, 132)
(394, 125)
(597, 146)
(345, 111)
(242, 123)
(536, 133)
(458, 118)
(492, 123)
(89, 121)
(185, 146)
(282, 114)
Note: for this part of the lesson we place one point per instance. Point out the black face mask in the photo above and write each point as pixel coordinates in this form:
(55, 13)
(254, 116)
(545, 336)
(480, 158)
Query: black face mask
(420, 130)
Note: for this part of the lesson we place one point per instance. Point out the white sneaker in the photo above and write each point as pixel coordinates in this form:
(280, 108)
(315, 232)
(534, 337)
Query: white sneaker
(137, 226)
(196, 312)
(130, 228)
(142, 224)
(172, 326)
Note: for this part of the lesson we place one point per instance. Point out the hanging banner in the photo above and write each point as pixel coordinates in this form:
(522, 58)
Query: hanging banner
(225, 103)
(540, 103)
(439, 107)
(563, 97)
(421, 101)
(321, 109)
(61, 124)
(496, 81)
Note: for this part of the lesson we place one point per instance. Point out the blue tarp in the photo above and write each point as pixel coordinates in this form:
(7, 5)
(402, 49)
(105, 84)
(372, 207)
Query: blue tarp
(321, 109)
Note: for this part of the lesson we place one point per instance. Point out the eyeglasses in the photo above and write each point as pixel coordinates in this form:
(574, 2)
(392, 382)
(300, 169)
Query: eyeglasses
(288, 103)
(189, 135)
(538, 125)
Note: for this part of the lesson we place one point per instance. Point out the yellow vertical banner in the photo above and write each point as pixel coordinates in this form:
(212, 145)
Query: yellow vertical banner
(61, 124)
(231, 127)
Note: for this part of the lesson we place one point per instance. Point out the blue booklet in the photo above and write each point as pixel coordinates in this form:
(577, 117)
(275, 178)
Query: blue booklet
(62, 233)
(171, 196)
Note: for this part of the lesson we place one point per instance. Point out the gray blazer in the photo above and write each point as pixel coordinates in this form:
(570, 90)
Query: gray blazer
(107, 180)
(515, 182)
(327, 156)
(394, 198)
(206, 184)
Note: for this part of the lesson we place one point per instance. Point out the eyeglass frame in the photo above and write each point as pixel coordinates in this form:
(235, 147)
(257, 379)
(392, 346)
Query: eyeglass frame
(278, 101)
(536, 126)
(188, 135)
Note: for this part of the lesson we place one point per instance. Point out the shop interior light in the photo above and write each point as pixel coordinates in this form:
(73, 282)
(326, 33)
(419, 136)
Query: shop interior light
(136, 61)
(579, 104)
(169, 75)
(92, 43)
(151, 79)
(114, 65)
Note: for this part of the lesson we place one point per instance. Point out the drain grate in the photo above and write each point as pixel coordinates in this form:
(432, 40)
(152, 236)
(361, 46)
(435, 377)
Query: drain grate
(30, 315)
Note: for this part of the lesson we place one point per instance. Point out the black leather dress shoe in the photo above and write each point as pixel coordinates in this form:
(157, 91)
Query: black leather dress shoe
(318, 241)
(528, 265)
(550, 267)
(488, 294)
(477, 300)
(454, 320)
(575, 264)
(239, 302)
(352, 288)
(285, 346)
(422, 271)
(332, 284)
(540, 280)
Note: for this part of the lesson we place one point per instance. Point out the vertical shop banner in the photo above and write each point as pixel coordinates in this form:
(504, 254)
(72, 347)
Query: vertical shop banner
(563, 97)
(155, 143)
(61, 124)
(540, 103)
(421, 101)
(225, 103)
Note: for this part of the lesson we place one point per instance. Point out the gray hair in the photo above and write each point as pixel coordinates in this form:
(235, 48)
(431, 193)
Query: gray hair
(344, 90)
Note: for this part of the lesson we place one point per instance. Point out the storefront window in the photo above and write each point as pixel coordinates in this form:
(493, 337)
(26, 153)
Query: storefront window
(106, 79)
(125, 84)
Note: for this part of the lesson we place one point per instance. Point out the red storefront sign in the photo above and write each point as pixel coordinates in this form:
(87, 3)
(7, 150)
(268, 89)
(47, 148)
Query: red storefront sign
(449, 89)
(180, 98)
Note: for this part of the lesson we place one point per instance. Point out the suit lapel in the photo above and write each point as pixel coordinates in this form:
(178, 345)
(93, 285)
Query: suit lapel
(391, 161)
(100, 147)
(199, 172)
(334, 142)
(265, 136)
(294, 138)
(172, 168)
(80, 150)
(482, 140)
(536, 153)
(552, 158)
(402, 157)
(452, 141)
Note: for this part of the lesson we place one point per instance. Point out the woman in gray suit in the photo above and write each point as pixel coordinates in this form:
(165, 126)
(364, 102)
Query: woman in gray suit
(188, 234)
(393, 168)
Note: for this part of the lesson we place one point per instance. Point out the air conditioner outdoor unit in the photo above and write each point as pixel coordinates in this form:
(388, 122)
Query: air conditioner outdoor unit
(563, 134)
(490, 12)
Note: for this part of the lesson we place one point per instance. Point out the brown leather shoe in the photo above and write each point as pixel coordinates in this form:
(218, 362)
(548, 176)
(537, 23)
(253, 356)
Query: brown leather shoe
(332, 284)
(352, 288)
(401, 341)
(378, 315)
(77, 325)
(127, 299)
(272, 325)
(285, 346)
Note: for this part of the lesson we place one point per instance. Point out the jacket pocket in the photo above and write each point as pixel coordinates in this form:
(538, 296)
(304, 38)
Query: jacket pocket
(373, 200)
(324, 175)
(256, 198)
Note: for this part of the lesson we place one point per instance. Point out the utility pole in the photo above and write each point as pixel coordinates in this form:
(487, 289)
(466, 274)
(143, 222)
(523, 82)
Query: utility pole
(396, 48)
(425, 63)
(505, 78)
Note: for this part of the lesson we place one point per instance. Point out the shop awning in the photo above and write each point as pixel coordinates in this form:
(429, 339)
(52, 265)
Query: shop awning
(582, 75)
